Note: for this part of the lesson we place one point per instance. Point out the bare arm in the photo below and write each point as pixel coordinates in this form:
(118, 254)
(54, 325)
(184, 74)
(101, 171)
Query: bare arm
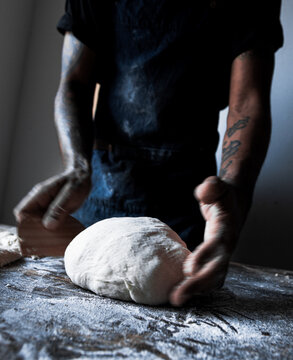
(225, 200)
(249, 121)
(73, 103)
(51, 200)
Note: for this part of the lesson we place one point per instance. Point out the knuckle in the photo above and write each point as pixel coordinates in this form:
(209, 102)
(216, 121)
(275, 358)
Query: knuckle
(56, 211)
(20, 208)
(53, 214)
(79, 180)
(36, 189)
(79, 173)
(16, 212)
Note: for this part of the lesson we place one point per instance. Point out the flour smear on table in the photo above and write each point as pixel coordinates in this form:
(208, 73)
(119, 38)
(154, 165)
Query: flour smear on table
(10, 249)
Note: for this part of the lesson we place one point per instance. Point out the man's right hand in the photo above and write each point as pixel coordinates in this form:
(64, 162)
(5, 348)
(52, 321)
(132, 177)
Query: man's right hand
(53, 199)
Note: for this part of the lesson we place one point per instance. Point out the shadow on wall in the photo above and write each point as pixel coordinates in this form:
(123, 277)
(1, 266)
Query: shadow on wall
(264, 239)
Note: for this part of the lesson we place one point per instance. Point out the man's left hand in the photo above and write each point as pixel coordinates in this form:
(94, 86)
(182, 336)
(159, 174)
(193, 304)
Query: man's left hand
(206, 267)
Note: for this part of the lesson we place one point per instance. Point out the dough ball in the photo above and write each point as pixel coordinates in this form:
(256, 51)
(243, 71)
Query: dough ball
(10, 249)
(127, 258)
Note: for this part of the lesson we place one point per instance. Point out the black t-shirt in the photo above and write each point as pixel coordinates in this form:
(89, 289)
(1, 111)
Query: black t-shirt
(164, 66)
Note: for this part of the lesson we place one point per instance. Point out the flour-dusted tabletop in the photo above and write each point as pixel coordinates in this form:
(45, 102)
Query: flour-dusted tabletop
(44, 316)
(9, 228)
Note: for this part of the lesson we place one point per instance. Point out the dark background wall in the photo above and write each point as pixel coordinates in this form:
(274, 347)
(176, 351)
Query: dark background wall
(29, 71)
(268, 234)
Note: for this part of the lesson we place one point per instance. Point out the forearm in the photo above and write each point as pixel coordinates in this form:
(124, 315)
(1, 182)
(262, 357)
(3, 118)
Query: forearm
(74, 123)
(245, 146)
(248, 124)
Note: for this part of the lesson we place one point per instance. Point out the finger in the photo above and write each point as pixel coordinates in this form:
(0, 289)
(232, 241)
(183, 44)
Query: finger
(211, 190)
(206, 279)
(59, 208)
(210, 278)
(194, 261)
(37, 200)
(204, 253)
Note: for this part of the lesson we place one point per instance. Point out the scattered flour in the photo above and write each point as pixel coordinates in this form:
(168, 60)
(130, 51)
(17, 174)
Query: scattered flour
(10, 249)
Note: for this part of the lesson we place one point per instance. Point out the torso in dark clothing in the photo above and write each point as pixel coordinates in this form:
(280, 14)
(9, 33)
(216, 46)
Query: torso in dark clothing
(168, 79)
(164, 70)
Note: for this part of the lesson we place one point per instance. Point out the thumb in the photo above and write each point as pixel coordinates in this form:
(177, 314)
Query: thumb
(211, 190)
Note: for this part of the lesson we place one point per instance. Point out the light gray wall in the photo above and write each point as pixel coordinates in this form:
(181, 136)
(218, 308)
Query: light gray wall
(15, 21)
(34, 151)
(28, 135)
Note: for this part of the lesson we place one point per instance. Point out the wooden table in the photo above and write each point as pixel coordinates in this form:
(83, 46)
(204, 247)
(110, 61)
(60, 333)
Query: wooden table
(44, 316)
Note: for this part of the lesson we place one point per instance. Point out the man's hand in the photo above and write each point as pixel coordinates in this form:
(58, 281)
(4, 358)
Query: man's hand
(206, 267)
(52, 200)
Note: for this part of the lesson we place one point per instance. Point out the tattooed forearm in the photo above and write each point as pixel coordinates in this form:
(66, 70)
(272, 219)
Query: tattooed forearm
(233, 147)
(240, 124)
(223, 170)
(230, 150)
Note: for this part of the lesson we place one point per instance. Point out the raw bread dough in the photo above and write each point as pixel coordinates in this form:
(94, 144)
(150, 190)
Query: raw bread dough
(10, 249)
(127, 258)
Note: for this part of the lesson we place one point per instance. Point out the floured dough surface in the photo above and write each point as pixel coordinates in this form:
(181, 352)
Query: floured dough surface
(10, 249)
(127, 258)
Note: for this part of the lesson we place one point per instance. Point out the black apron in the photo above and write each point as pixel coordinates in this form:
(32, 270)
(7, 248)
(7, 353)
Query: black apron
(148, 182)
(157, 114)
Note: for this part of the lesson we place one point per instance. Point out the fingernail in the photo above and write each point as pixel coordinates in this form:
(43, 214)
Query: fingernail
(50, 223)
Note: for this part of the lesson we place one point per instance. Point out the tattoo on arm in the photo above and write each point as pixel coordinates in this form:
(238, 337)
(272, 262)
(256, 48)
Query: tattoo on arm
(234, 145)
(240, 124)
(230, 150)
(223, 170)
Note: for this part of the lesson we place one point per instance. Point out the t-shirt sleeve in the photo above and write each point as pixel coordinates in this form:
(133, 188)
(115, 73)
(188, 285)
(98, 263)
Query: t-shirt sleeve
(256, 26)
(79, 18)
